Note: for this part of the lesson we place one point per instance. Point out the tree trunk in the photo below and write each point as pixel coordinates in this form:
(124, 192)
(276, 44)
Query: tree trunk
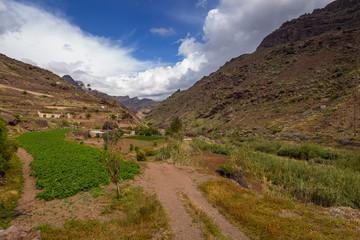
(118, 189)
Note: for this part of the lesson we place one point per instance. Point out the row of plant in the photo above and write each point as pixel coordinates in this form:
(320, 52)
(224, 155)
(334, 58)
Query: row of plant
(308, 152)
(322, 185)
(65, 168)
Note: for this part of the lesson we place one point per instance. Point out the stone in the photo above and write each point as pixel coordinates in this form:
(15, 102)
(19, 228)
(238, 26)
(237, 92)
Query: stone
(110, 126)
(20, 233)
(41, 123)
(9, 118)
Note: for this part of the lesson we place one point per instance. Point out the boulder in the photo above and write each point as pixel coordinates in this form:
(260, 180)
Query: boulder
(110, 126)
(9, 118)
(19, 233)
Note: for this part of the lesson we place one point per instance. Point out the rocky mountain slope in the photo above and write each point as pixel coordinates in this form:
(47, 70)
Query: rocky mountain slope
(26, 90)
(137, 105)
(299, 90)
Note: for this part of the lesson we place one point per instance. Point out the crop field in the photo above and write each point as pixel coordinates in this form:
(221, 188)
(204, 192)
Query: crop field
(65, 168)
(146, 138)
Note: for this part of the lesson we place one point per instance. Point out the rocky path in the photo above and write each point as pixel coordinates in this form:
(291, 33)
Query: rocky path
(167, 181)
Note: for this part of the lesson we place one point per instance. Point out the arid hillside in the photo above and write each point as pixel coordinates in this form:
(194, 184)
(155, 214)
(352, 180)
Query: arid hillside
(294, 90)
(26, 90)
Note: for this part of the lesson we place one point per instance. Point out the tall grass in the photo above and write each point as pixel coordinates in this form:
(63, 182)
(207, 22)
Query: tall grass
(322, 185)
(308, 152)
(175, 151)
(212, 147)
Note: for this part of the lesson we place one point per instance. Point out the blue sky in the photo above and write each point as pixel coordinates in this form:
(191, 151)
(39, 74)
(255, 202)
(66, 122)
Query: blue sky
(131, 21)
(144, 48)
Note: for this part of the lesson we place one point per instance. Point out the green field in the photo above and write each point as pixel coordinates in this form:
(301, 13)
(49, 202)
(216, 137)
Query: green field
(65, 168)
(146, 138)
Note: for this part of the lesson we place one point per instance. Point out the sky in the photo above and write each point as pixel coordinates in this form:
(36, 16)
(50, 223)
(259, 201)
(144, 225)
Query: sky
(143, 48)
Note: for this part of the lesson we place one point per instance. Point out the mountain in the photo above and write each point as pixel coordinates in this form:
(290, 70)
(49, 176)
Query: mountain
(336, 15)
(70, 80)
(136, 105)
(291, 87)
(26, 90)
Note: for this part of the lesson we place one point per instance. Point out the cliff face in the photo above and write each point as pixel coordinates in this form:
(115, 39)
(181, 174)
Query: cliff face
(338, 14)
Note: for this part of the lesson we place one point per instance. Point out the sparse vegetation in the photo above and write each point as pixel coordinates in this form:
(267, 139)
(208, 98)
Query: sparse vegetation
(141, 217)
(7, 146)
(272, 216)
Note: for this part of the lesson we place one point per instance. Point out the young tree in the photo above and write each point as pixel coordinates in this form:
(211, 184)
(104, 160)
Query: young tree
(176, 125)
(112, 162)
(110, 159)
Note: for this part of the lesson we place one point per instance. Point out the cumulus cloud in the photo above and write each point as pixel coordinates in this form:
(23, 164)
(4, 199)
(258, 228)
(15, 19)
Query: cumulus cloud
(233, 28)
(163, 31)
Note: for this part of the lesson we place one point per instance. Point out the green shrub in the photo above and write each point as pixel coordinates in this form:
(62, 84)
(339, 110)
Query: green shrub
(149, 151)
(140, 156)
(65, 123)
(131, 148)
(97, 127)
(7, 146)
(227, 168)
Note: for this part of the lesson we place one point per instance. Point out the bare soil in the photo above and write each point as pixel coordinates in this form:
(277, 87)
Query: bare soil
(167, 180)
(82, 206)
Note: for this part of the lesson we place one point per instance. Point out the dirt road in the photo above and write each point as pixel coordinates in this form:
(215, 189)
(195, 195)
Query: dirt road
(167, 181)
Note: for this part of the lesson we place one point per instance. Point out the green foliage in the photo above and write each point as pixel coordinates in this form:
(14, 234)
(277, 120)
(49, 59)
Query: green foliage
(131, 148)
(97, 192)
(16, 116)
(97, 127)
(24, 92)
(308, 152)
(146, 138)
(322, 185)
(149, 151)
(84, 107)
(140, 155)
(176, 125)
(111, 138)
(146, 131)
(65, 123)
(7, 146)
(65, 168)
(212, 147)
(113, 116)
(88, 115)
(227, 168)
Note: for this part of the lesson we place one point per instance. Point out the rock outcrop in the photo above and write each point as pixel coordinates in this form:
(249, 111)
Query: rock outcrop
(336, 15)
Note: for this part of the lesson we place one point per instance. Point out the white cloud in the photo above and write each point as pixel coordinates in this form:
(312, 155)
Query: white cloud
(163, 31)
(233, 28)
(201, 3)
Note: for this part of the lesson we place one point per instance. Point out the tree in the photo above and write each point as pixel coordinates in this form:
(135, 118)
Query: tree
(176, 125)
(110, 159)
(112, 162)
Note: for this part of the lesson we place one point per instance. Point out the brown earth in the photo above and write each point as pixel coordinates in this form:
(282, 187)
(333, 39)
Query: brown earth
(167, 181)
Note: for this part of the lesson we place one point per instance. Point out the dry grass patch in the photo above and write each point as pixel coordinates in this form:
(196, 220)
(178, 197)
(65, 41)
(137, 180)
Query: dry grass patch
(272, 216)
(209, 229)
(142, 217)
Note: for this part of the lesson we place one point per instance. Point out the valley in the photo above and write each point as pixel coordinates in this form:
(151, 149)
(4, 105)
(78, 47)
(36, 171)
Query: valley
(266, 147)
